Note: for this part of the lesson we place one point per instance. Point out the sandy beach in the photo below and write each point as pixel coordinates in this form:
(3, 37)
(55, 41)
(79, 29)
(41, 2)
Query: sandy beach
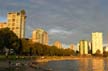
(58, 58)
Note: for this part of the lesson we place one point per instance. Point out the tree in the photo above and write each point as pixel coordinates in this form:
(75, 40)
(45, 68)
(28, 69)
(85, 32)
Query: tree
(98, 53)
(26, 46)
(105, 53)
(8, 39)
(23, 11)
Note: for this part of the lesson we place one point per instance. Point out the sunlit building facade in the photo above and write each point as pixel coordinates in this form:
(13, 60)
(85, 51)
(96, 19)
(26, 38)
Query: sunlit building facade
(16, 23)
(58, 44)
(40, 36)
(71, 47)
(83, 47)
(105, 49)
(97, 42)
(3, 25)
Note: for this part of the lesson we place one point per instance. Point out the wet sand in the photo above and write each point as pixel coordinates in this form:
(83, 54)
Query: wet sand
(59, 58)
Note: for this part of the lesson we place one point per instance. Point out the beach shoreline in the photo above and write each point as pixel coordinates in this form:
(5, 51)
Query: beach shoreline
(59, 58)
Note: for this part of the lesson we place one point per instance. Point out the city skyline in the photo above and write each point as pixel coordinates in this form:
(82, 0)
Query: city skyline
(66, 20)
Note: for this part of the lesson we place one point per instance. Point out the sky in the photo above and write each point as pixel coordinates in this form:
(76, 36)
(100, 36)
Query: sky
(68, 21)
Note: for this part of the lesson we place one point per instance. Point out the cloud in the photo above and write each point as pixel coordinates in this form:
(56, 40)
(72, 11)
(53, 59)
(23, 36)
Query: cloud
(66, 20)
(59, 31)
(40, 2)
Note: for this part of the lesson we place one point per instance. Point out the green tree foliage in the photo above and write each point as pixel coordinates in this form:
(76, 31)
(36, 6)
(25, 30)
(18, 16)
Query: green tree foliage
(98, 53)
(26, 46)
(23, 11)
(105, 53)
(8, 39)
(44, 50)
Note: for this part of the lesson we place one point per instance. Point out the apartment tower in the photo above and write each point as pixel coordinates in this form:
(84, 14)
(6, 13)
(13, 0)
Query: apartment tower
(83, 47)
(72, 47)
(3, 25)
(16, 22)
(58, 44)
(97, 42)
(40, 36)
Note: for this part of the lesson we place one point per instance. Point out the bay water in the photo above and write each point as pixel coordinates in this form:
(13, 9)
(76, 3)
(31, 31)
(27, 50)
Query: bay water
(82, 64)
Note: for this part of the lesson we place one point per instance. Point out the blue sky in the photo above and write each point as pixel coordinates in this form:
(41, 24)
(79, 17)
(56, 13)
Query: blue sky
(66, 20)
(3, 19)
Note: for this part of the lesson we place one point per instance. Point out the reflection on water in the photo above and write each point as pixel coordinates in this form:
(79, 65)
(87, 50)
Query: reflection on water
(84, 64)
(98, 64)
(91, 64)
(106, 64)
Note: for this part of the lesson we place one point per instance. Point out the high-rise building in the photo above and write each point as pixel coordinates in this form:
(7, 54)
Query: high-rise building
(58, 44)
(97, 42)
(71, 46)
(90, 46)
(40, 36)
(3, 25)
(77, 47)
(105, 49)
(16, 23)
(83, 47)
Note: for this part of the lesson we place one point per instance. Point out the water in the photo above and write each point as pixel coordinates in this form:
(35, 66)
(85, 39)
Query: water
(78, 65)
(95, 64)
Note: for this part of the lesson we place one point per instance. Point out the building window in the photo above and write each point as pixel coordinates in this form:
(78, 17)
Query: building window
(13, 24)
(18, 13)
(13, 15)
(13, 20)
(17, 27)
(13, 28)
